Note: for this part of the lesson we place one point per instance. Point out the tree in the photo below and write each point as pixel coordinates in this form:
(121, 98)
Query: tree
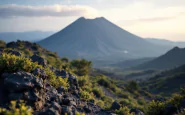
(2, 44)
(133, 85)
(81, 67)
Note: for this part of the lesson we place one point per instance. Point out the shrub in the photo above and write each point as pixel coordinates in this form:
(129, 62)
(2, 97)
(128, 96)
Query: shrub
(81, 67)
(2, 44)
(21, 109)
(83, 81)
(156, 108)
(125, 102)
(97, 92)
(107, 102)
(100, 103)
(11, 63)
(176, 100)
(133, 85)
(104, 82)
(56, 81)
(85, 95)
(61, 82)
(123, 111)
(65, 59)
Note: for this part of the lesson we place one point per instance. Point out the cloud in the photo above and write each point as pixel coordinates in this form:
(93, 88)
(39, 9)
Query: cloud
(46, 11)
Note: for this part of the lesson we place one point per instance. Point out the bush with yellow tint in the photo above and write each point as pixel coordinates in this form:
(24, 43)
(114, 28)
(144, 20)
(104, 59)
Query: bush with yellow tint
(11, 63)
(21, 109)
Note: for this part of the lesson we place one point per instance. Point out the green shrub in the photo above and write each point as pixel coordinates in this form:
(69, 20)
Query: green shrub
(2, 44)
(125, 102)
(56, 81)
(11, 63)
(141, 101)
(104, 82)
(97, 92)
(100, 103)
(59, 81)
(85, 95)
(107, 102)
(156, 108)
(81, 67)
(133, 85)
(176, 100)
(123, 111)
(83, 81)
(21, 109)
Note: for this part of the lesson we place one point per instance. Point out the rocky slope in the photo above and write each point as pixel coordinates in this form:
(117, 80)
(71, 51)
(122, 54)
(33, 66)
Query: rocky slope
(43, 97)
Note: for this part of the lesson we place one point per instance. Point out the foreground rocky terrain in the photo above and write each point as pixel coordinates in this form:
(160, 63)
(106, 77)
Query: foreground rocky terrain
(44, 98)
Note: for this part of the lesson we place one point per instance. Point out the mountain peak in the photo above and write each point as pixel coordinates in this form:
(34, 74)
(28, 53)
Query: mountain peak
(97, 18)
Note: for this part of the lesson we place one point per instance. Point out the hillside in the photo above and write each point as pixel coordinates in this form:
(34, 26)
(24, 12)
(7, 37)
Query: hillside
(29, 49)
(131, 63)
(167, 82)
(27, 36)
(46, 90)
(173, 58)
(103, 39)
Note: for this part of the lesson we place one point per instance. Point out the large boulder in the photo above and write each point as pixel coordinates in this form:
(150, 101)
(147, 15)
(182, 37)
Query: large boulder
(50, 111)
(136, 112)
(170, 110)
(41, 73)
(21, 81)
(24, 86)
(62, 73)
(182, 104)
(13, 52)
(39, 60)
(1, 51)
(67, 110)
(115, 106)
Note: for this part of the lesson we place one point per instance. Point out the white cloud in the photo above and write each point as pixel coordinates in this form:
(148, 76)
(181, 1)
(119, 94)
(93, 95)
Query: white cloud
(46, 11)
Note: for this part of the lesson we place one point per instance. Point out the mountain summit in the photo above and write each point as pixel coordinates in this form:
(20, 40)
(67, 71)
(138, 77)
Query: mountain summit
(99, 39)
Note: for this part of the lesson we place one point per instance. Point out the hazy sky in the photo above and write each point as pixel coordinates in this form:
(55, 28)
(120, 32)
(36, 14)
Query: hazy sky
(146, 18)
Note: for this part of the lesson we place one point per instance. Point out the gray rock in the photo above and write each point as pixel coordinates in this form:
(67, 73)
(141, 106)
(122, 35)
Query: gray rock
(15, 96)
(87, 109)
(21, 81)
(61, 90)
(62, 73)
(136, 112)
(50, 111)
(67, 110)
(170, 110)
(182, 104)
(1, 51)
(41, 73)
(13, 52)
(39, 60)
(115, 106)
(56, 106)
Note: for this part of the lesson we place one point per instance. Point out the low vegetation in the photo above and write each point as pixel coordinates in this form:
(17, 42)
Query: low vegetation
(98, 89)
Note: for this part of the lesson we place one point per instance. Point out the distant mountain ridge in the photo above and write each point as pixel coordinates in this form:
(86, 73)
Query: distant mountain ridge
(166, 42)
(132, 63)
(99, 39)
(173, 58)
(33, 36)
